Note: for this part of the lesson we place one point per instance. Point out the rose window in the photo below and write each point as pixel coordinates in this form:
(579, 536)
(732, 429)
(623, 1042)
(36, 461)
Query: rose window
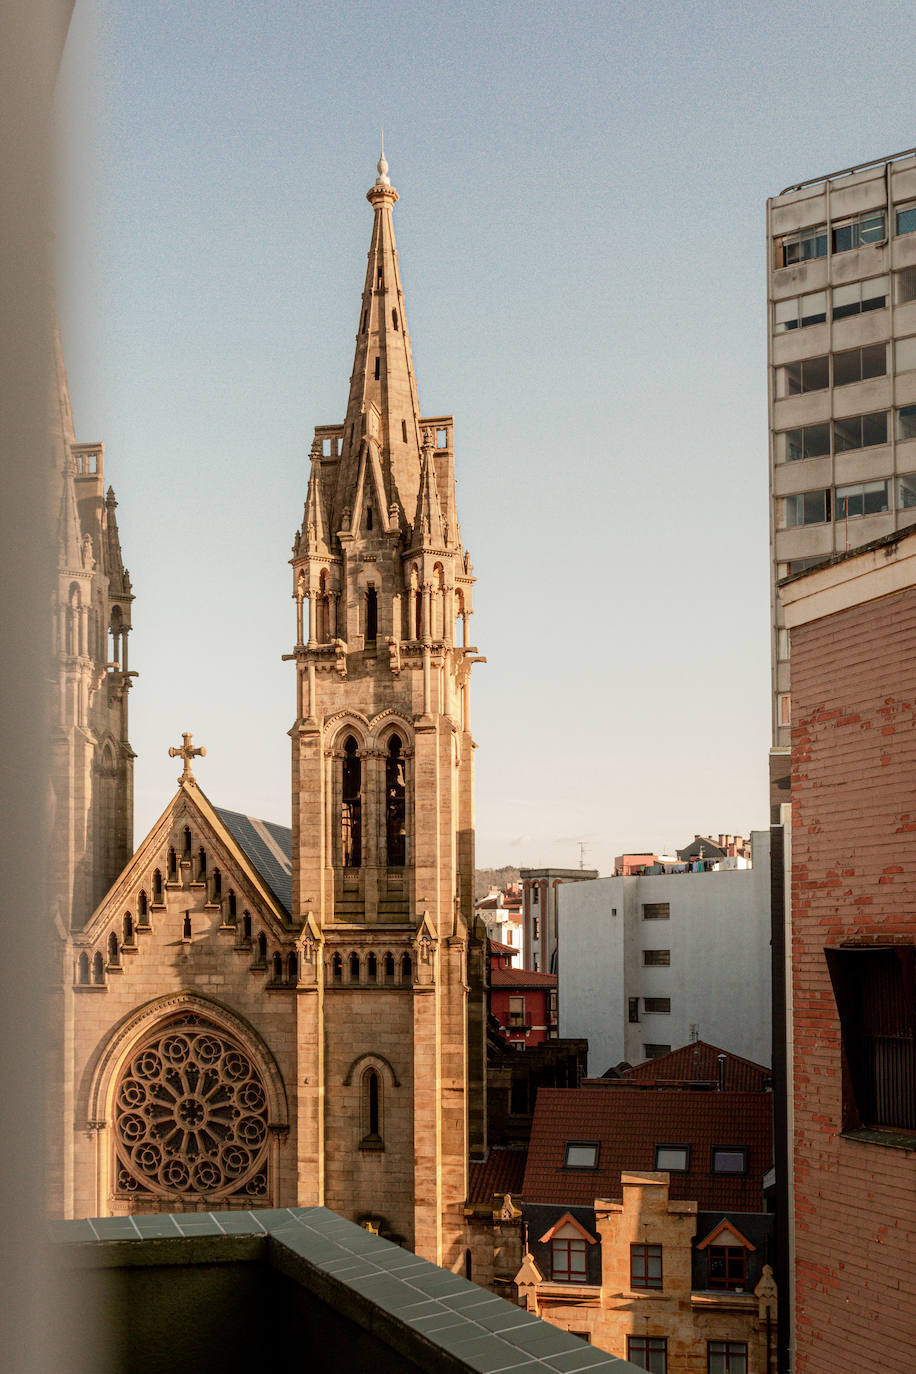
(191, 1116)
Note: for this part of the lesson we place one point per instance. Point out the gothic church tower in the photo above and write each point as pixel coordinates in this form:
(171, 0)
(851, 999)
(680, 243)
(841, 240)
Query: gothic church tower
(383, 824)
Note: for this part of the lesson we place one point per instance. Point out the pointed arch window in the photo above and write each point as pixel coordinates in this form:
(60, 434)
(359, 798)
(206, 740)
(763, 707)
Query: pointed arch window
(372, 969)
(278, 968)
(378, 367)
(371, 613)
(394, 319)
(157, 887)
(337, 969)
(246, 927)
(406, 969)
(217, 885)
(323, 617)
(351, 805)
(395, 804)
(233, 906)
(114, 955)
(292, 968)
(98, 968)
(142, 909)
(186, 839)
(389, 968)
(83, 968)
(262, 949)
(368, 517)
(128, 929)
(354, 968)
(172, 865)
(370, 1111)
(202, 866)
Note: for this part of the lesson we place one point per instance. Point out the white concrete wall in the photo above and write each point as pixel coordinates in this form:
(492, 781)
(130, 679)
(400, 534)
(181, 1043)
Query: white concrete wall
(718, 934)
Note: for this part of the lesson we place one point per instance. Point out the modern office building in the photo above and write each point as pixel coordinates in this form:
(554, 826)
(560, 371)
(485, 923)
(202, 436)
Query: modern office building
(841, 287)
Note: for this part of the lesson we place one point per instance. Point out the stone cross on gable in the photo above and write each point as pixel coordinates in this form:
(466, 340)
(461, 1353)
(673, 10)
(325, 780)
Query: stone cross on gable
(186, 752)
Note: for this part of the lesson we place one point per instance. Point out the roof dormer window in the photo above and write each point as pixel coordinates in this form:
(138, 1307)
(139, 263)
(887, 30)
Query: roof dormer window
(581, 1154)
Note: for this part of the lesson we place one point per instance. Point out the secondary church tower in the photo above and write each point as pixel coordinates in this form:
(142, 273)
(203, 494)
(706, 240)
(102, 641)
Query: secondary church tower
(383, 822)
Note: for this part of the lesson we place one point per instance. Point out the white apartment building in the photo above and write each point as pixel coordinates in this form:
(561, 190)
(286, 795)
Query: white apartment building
(647, 962)
(841, 286)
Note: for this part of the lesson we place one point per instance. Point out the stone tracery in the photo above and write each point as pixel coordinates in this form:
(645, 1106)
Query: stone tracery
(191, 1116)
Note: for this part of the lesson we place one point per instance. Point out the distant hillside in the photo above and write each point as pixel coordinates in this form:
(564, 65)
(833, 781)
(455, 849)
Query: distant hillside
(485, 878)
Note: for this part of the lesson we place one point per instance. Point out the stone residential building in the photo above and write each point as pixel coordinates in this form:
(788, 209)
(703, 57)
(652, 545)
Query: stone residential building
(254, 1014)
(841, 292)
(845, 931)
(645, 1230)
(651, 962)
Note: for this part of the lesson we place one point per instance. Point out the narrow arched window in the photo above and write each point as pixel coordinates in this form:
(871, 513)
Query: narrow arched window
(98, 968)
(395, 805)
(114, 956)
(217, 885)
(83, 967)
(278, 968)
(186, 928)
(232, 905)
(262, 947)
(173, 865)
(468, 1265)
(371, 615)
(372, 1086)
(372, 969)
(292, 967)
(370, 1111)
(354, 968)
(368, 517)
(187, 841)
(143, 908)
(337, 969)
(246, 926)
(351, 805)
(389, 967)
(202, 865)
(128, 928)
(406, 969)
(394, 318)
(404, 431)
(157, 887)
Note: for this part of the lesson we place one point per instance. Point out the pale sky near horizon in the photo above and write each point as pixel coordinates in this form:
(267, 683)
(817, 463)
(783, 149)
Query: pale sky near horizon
(581, 240)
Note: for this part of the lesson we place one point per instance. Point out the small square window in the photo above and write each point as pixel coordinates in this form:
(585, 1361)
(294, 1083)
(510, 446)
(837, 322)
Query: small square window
(675, 1159)
(906, 218)
(656, 958)
(568, 1260)
(729, 1159)
(726, 1357)
(581, 1154)
(648, 1352)
(727, 1267)
(645, 1266)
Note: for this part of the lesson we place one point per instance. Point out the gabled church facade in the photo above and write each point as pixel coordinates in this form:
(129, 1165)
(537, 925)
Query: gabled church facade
(254, 1014)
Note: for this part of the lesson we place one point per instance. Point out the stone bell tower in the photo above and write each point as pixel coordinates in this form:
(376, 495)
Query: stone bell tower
(383, 811)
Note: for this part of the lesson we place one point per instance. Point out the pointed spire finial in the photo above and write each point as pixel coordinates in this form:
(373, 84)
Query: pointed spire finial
(382, 166)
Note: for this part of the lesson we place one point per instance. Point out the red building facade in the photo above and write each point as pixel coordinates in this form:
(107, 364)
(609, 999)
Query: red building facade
(853, 938)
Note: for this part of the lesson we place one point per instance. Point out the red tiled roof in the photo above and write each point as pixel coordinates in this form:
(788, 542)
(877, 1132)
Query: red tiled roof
(501, 1172)
(700, 1061)
(521, 978)
(496, 947)
(629, 1123)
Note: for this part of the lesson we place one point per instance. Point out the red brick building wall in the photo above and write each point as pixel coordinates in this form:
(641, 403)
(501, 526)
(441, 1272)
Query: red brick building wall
(853, 881)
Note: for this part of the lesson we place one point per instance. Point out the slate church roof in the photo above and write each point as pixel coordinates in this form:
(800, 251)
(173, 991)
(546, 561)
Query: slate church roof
(269, 847)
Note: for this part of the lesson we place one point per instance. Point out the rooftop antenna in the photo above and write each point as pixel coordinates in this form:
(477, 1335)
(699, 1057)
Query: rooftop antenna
(582, 848)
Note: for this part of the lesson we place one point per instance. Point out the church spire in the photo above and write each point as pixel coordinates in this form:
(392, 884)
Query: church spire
(383, 411)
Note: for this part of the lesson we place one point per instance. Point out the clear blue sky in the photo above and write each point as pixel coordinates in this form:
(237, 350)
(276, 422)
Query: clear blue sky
(581, 235)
